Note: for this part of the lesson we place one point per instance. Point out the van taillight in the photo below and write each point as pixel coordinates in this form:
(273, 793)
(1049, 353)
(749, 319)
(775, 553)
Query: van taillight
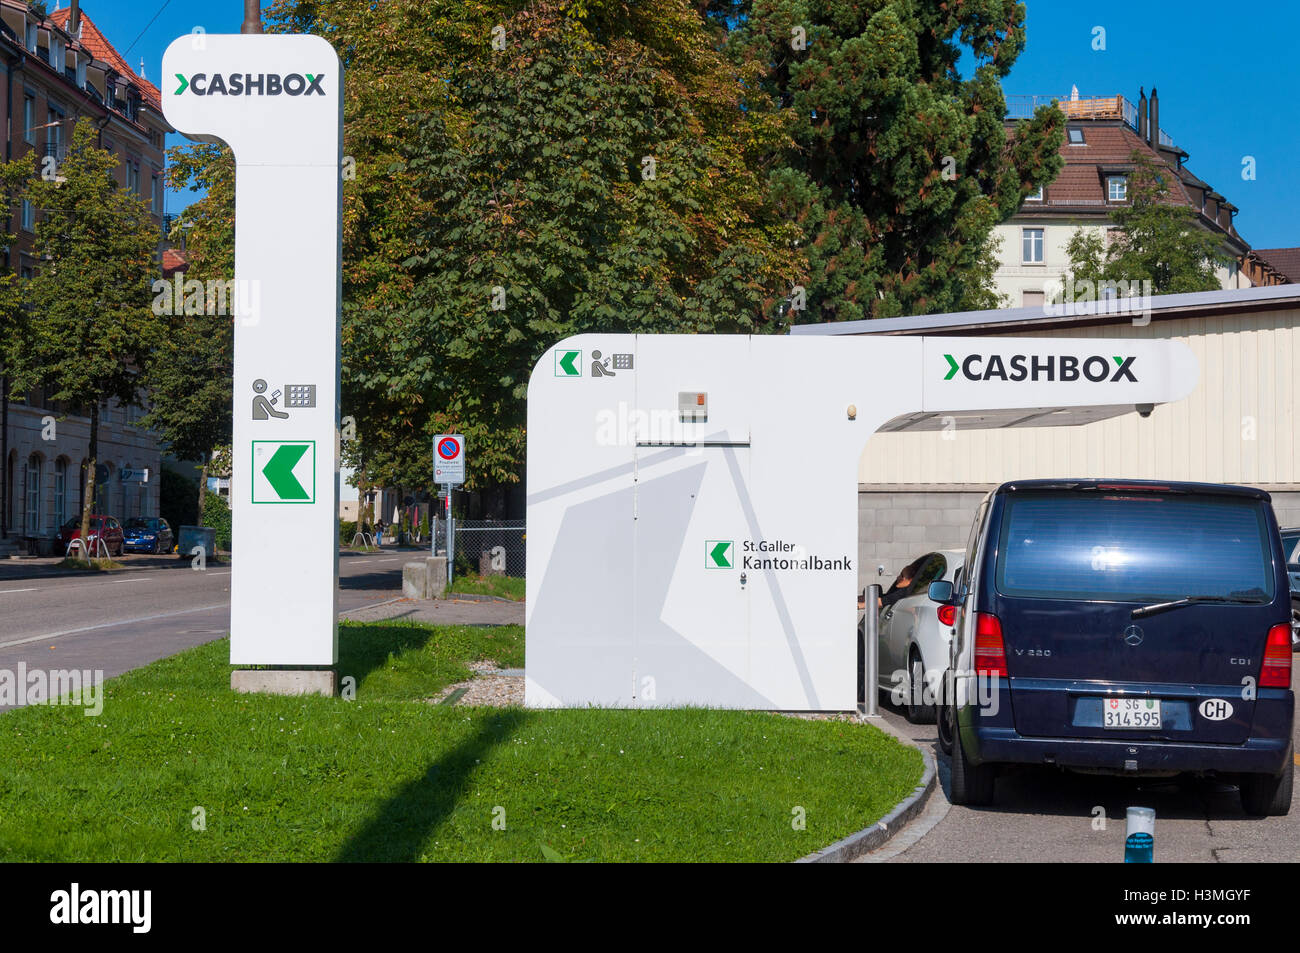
(1276, 670)
(990, 656)
(947, 614)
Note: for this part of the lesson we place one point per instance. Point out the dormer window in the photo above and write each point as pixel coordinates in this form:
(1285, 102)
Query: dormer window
(1117, 188)
(1075, 136)
(1035, 196)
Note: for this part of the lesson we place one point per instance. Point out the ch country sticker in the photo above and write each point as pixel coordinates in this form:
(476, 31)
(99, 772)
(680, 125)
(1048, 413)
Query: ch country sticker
(1034, 367)
(251, 84)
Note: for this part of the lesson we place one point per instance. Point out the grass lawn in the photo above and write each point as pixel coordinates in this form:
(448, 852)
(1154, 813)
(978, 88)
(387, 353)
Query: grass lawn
(508, 587)
(389, 777)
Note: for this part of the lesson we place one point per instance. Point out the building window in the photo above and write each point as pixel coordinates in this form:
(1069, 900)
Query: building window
(33, 524)
(156, 193)
(60, 492)
(1031, 299)
(1035, 196)
(29, 217)
(1076, 136)
(1031, 246)
(133, 175)
(1117, 188)
(29, 118)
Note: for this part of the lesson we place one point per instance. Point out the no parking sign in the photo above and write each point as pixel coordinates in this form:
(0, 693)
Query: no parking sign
(449, 458)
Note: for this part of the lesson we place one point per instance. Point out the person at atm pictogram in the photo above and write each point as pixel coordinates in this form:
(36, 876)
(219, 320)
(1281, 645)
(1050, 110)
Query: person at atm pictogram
(264, 409)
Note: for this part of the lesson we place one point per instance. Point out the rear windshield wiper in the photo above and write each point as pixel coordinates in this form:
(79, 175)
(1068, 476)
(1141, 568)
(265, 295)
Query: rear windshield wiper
(1143, 611)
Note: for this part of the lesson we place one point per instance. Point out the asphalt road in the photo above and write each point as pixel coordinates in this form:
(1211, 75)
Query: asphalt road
(122, 620)
(1042, 814)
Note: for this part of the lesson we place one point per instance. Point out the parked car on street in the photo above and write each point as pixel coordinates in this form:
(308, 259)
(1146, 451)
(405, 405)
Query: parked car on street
(1124, 627)
(147, 534)
(104, 528)
(914, 635)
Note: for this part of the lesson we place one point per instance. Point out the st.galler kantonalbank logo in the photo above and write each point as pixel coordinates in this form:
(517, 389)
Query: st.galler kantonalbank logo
(251, 84)
(1036, 367)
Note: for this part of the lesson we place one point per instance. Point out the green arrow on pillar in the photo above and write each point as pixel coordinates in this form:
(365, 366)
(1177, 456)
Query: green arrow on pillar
(952, 367)
(279, 472)
(567, 363)
(719, 554)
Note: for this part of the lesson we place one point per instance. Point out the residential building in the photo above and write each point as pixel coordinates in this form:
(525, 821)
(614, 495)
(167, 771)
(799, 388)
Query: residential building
(1101, 136)
(54, 70)
(1284, 262)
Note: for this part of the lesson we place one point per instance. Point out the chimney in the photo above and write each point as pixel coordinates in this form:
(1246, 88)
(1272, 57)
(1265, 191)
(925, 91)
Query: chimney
(1153, 124)
(74, 19)
(1142, 113)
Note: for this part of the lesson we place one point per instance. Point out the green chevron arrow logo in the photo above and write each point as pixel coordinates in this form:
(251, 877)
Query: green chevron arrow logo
(717, 553)
(185, 84)
(284, 472)
(568, 363)
(952, 367)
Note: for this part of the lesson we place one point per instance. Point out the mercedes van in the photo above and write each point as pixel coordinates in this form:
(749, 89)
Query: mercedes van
(1127, 627)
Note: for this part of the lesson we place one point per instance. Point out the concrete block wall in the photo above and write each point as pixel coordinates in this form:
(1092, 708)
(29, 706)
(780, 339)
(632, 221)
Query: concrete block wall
(898, 523)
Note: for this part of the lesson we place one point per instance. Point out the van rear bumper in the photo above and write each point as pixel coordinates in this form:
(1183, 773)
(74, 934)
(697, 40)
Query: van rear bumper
(987, 745)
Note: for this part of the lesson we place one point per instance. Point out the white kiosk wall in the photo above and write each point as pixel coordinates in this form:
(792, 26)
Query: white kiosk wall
(692, 500)
(277, 102)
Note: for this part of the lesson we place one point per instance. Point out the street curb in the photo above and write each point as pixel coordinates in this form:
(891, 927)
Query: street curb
(872, 838)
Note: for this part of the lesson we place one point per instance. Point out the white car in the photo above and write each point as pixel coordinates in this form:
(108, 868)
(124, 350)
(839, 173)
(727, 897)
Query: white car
(914, 637)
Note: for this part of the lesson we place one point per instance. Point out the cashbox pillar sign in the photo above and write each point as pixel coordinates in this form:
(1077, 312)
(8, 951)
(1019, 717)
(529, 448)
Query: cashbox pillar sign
(276, 100)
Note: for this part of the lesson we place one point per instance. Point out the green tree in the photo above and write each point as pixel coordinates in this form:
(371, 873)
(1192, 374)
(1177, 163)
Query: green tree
(598, 168)
(1155, 240)
(898, 167)
(190, 379)
(92, 330)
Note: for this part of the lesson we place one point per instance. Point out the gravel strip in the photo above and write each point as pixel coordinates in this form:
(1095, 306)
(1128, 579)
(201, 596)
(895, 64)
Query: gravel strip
(488, 687)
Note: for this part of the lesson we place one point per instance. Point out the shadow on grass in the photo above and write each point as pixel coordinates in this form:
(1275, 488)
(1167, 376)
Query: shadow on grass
(364, 648)
(400, 828)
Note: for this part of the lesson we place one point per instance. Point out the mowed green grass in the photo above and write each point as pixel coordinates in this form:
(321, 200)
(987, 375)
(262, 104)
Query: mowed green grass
(389, 777)
(507, 587)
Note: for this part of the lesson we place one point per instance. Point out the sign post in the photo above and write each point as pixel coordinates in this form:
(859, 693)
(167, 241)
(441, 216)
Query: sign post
(276, 101)
(449, 471)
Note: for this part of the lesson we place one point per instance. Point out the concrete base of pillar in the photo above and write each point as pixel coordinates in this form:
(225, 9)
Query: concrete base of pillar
(271, 681)
(425, 579)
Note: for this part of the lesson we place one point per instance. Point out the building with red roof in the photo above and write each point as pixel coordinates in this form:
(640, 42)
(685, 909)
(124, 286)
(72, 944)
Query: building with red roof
(55, 69)
(1102, 134)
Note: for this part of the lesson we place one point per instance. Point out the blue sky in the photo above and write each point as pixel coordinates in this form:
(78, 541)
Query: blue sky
(1225, 75)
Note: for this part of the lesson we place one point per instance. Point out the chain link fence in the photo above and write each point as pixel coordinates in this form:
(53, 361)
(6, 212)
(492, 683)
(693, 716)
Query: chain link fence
(485, 546)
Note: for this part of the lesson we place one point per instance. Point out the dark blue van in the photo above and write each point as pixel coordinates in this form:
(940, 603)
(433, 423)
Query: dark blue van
(1125, 627)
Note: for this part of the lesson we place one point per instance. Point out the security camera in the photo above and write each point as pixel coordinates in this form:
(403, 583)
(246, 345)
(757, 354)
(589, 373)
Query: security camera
(1144, 410)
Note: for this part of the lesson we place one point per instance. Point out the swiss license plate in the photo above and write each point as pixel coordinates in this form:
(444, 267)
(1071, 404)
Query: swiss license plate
(1130, 713)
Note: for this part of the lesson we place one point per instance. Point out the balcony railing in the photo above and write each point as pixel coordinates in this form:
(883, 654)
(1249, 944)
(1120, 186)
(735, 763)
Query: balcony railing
(1104, 107)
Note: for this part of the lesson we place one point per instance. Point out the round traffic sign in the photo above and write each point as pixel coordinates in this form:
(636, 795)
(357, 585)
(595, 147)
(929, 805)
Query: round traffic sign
(449, 448)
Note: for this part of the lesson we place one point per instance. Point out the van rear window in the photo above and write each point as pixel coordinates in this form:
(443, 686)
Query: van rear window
(1137, 548)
